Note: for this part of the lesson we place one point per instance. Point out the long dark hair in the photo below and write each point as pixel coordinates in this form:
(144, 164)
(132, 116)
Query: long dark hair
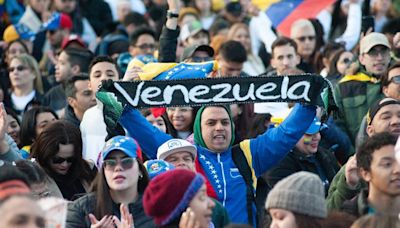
(101, 189)
(28, 124)
(257, 126)
(171, 129)
(46, 146)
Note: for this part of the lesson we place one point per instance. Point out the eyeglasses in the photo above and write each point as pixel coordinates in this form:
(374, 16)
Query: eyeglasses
(374, 52)
(146, 46)
(59, 160)
(347, 61)
(126, 163)
(18, 68)
(395, 79)
(304, 38)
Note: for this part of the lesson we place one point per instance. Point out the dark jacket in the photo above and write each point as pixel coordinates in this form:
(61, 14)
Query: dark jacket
(55, 98)
(98, 13)
(70, 116)
(339, 191)
(296, 161)
(79, 210)
(168, 43)
(354, 95)
(358, 206)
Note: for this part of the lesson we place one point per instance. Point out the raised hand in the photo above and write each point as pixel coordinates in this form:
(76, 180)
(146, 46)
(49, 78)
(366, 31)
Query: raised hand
(396, 40)
(351, 172)
(3, 121)
(132, 74)
(105, 222)
(126, 218)
(188, 220)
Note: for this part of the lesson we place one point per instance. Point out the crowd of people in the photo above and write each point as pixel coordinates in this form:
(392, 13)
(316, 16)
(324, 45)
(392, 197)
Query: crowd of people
(269, 164)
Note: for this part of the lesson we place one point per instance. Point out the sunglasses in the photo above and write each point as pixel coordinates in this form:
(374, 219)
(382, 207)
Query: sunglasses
(347, 61)
(146, 46)
(197, 59)
(18, 68)
(126, 163)
(59, 160)
(375, 52)
(395, 79)
(304, 38)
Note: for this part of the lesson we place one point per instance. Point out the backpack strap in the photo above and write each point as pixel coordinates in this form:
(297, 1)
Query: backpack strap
(241, 163)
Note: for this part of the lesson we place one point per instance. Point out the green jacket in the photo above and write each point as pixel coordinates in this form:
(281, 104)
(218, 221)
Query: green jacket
(339, 191)
(354, 95)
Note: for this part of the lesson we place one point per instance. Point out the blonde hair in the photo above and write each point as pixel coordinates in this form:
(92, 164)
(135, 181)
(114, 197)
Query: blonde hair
(234, 28)
(32, 64)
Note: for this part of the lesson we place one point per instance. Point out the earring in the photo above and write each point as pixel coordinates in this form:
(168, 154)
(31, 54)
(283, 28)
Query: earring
(140, 176)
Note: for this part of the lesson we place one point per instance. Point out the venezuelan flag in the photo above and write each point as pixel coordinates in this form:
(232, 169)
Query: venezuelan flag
(169, 71)
(284, 12)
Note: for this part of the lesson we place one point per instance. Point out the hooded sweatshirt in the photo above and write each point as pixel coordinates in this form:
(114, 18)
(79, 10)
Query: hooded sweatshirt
(223, 179)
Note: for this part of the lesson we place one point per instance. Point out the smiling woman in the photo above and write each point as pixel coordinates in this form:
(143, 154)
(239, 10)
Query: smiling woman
(58, 150)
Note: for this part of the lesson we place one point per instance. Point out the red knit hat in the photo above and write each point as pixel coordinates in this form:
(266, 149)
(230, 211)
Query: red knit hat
(168, 195)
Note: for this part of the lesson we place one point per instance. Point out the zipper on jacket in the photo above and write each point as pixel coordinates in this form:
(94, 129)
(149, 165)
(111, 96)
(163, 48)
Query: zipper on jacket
(223, 178)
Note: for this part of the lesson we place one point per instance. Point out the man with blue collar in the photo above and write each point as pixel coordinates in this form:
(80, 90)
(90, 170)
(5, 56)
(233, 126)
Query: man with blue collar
(213, 134)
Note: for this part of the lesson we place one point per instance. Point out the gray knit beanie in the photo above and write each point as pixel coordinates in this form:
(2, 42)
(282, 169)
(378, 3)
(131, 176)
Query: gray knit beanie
(301, 192)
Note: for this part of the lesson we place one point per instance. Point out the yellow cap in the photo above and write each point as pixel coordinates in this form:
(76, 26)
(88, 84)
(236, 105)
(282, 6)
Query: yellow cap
(10, 34)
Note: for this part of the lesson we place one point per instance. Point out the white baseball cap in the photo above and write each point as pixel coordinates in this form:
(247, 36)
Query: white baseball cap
(175, 145)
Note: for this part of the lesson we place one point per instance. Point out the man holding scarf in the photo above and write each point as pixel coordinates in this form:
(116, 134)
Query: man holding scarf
(213, 133)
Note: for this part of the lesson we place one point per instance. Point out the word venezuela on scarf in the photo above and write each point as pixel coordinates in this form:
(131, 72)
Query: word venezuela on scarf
(307, 88)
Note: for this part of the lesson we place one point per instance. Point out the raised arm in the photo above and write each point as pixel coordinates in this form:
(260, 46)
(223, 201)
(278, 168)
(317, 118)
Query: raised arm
(272, 146)
(169, 34)
(148, 136)
(8, 148)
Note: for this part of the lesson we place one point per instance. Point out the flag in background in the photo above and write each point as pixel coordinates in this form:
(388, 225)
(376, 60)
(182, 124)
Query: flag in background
(283, 13)
(168, 71)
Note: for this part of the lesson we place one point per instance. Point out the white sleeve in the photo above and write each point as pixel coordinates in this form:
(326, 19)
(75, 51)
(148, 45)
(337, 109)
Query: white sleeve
(261, 29)
(94, 133)
(325, 18)
(353, 29)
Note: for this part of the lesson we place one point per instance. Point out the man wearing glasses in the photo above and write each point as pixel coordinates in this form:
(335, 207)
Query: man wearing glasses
(142, 42)
(356, 92)
(303, 33)
(391, 82)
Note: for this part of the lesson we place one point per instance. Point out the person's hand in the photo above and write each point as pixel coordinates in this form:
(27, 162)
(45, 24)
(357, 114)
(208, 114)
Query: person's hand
(396, 40)
(174, 5)
(351, 172)
(105, 222)
(366, 33)
(188, 220)
(126, 218)
(132, 74)
(3, 122)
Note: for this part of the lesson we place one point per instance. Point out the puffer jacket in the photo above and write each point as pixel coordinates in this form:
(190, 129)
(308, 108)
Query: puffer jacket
(354, 95)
